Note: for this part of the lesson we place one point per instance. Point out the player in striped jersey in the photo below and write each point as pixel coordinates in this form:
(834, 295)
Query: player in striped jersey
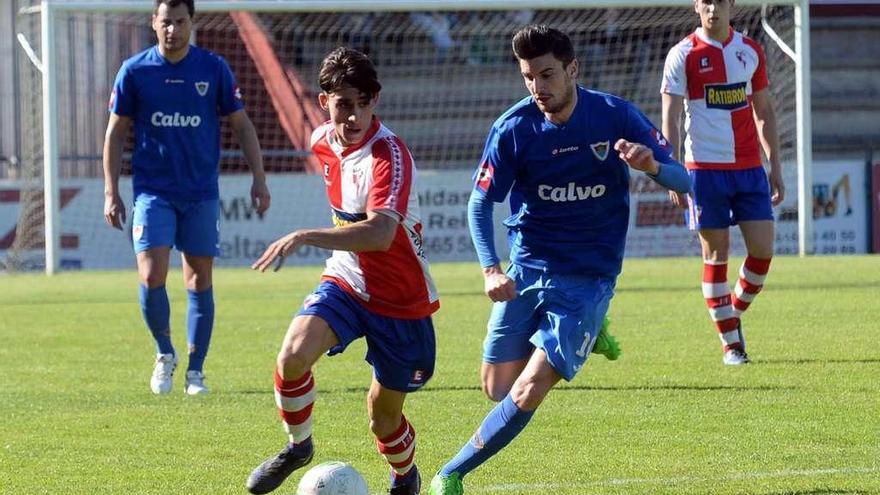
(719, 78)
(376, 284)
(564, 155)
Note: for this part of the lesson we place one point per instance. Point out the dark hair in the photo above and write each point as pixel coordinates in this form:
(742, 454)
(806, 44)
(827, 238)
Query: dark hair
(348, 67)
(190, 5)
(536, 40)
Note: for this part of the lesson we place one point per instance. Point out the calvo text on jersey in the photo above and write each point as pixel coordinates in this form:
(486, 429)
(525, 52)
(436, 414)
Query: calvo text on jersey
(571, 192)
(160, 119)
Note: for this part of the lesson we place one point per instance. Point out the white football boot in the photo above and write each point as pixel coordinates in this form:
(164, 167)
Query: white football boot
(736, 357)
(195, 383)
(163, 372)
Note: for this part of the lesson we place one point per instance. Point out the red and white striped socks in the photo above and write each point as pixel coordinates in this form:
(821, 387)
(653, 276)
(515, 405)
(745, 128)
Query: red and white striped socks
(399, 448)
(717, 295)
(295, 399)
(752, 274)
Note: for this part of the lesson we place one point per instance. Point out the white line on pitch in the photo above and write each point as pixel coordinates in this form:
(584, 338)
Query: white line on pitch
(787, 473)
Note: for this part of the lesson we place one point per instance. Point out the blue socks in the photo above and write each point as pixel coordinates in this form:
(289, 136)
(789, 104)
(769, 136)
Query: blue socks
(157, 312)
(199, 325)
(499, 428)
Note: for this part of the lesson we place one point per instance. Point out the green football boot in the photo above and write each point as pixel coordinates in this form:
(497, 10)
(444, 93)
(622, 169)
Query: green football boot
(606, 344)
(446, 485)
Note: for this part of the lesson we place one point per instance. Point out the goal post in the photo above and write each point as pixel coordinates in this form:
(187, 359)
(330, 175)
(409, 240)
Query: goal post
(51, 11)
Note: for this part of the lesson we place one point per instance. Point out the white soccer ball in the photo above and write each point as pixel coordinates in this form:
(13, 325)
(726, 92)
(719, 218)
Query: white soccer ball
(332, 478)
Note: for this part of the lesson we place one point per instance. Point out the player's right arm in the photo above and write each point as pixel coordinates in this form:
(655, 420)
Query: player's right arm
(673, 106)
(492, 181)
(114, 141)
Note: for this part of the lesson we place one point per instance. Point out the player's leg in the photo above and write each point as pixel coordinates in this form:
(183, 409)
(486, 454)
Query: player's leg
(328, 322)
(506, 348)
(498, 378)
(503, 423)
(198, 235)
(153, 226)
(307, 338)
(709, 212)
(753, 210)
(402, 353)
(574, 308)
(759, 237)
(395, 437)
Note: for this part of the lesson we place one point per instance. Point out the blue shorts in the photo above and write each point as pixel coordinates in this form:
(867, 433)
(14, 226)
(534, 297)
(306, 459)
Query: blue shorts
(561, 314)
(722, 198)
(401, 351)
(193, 227)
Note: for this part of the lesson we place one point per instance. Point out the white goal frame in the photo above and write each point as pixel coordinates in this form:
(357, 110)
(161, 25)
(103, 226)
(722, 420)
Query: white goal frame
(48, 8)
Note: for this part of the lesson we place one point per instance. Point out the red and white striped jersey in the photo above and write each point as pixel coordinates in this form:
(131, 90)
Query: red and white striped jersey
(717, 81)
(378, 175)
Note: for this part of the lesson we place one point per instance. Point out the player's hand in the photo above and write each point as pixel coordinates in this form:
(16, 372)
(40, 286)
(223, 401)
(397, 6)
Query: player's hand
(114, 211)
(678, 199)
(497, 285)
(278, 250)
(637, 156)
(777, 187)
(260, 197)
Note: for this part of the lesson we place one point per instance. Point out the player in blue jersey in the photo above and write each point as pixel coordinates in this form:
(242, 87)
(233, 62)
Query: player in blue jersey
(563, 154)
(175, 95)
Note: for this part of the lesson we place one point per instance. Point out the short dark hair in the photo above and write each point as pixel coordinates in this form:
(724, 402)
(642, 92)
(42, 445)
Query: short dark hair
(348, 67)
(536, 40)
(190, 5)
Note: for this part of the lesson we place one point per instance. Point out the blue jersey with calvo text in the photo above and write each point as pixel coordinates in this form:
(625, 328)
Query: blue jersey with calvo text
(569, 190)
(176, 109)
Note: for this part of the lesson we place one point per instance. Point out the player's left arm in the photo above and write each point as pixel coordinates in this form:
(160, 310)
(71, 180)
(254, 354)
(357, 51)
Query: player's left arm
(765, 121)
(250, 146)
(376, 233)
(644, 148)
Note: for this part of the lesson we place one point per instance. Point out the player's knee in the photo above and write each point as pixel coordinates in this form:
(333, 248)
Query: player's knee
(527, 394)
(151, 278)
(494, 392)
(292, 365)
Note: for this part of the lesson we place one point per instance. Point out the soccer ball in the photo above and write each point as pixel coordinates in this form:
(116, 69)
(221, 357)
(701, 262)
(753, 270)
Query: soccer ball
(332, 478)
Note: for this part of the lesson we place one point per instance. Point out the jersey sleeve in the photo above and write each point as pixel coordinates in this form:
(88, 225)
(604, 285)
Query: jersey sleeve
(229, 97)
(123, 96)
(640, 130)
(674, 73)
(494, 177)
(759, 78)
(392, 177)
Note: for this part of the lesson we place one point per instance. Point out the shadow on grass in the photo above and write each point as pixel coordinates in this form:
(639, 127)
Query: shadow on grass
(820, 491)
(575, 388)
(821, 361)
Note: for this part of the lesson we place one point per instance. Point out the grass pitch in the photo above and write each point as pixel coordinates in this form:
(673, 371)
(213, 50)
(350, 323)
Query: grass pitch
(78, 416)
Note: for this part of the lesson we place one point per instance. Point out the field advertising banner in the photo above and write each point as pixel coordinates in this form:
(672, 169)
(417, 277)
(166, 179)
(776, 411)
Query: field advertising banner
(298, 201)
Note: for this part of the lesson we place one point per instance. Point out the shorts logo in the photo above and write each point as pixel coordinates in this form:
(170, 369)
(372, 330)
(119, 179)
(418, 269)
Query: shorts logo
(484, 176)
(202, 87)
(418, 376)
(137, 232)
(600, 149)
(237, 93)
(310, 300)
(727, 96)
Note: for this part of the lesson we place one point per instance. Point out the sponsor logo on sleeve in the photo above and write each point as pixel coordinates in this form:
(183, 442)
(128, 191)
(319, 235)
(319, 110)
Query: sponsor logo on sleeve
(660, 139)
(484, 177)
(112, 102)
(726, 96)
(237, 93)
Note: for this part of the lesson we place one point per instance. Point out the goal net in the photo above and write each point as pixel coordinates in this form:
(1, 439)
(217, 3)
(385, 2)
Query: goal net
(446, 76)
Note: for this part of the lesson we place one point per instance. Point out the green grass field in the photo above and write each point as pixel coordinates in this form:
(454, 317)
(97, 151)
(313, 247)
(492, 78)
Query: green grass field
(77, 416)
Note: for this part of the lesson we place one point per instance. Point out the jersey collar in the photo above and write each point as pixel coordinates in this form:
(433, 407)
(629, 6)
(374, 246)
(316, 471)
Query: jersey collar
(701, 33)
